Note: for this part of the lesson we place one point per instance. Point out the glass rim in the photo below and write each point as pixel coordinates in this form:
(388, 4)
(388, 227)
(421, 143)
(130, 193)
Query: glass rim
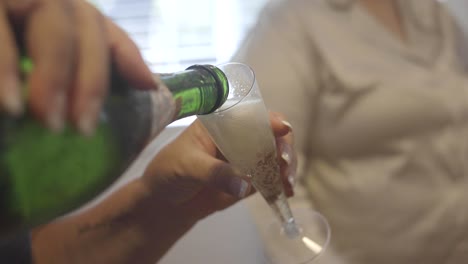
(221, 109)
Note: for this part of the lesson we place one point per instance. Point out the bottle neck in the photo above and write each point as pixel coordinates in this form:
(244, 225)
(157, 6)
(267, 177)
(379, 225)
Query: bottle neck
(201, 89)
(163, 109)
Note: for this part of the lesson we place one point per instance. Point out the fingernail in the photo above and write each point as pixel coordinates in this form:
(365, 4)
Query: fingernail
(291, 179)
(11, 98)
(286, 123)
(244, 187)
(56, 115)
(87, 122)
(157, 80)
(239, 187)
(286, 157)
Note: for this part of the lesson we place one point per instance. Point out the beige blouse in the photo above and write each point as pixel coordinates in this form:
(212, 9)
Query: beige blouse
(380, 124)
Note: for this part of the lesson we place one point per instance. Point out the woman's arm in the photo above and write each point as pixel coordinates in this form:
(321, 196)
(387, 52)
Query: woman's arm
(139, 223)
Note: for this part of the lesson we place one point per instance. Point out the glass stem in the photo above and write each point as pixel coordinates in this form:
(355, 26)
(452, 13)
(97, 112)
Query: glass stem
(282, 210)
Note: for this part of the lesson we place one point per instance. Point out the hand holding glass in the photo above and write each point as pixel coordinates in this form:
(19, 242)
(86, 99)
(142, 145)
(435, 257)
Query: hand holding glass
(241, 130)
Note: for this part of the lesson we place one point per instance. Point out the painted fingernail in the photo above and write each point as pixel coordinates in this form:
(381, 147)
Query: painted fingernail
(56, 115)
(286, 123)
(244, 188)
(87, 121)
(239, 187)
(291, 179)
(11, 98)
(286, 156)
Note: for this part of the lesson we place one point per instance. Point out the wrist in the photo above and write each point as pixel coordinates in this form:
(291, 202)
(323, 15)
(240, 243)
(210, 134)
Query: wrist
(161, 222)
(127, 227)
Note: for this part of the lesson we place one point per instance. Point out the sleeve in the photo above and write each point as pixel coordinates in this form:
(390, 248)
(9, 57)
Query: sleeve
(281, 53)
(16, 249)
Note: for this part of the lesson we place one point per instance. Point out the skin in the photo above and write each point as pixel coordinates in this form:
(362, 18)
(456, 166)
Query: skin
(187, 181)
(72, 45)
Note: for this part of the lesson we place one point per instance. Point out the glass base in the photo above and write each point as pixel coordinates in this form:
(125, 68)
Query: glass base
(290, 245)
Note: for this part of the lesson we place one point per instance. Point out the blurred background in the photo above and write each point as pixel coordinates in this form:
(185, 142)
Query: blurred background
(172, 35)
(175, 34)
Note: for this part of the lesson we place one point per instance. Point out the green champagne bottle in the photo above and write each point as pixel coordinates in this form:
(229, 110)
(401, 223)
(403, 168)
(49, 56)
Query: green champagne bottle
(45, 175)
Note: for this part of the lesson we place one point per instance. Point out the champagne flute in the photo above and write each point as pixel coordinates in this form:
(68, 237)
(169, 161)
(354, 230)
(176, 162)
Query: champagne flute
(241, 130)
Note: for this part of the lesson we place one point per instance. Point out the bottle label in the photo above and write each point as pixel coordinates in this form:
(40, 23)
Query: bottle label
(164, 109)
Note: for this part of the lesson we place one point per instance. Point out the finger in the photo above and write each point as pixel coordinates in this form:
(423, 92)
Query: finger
(206, 140)
(50, 42)
(279, 124)
(128, 60)
(92, 77)
(288, 165)
(220, 175)
(10, 98)
(226, 178)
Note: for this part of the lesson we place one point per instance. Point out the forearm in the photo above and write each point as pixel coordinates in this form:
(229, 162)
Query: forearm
(128, 227)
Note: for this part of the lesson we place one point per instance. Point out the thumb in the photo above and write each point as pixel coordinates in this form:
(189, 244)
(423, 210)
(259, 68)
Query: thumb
(230, 180)
(224, 177)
